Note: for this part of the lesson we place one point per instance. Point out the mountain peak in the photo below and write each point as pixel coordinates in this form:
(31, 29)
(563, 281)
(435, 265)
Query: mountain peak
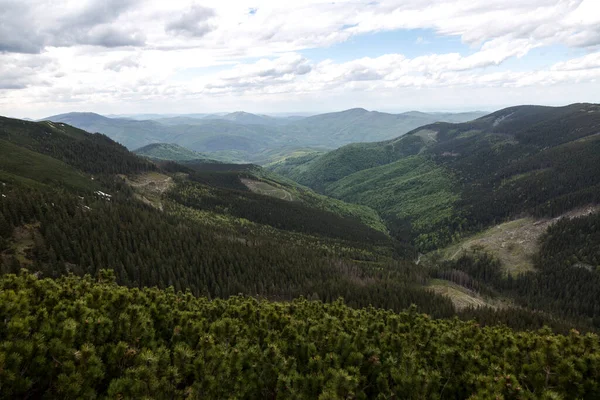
(357, 110)
(74, 115)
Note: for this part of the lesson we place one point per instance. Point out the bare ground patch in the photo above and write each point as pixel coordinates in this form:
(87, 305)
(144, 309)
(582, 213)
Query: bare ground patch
(461, 297)
(267, 189)
(514, 242)
(150, 186)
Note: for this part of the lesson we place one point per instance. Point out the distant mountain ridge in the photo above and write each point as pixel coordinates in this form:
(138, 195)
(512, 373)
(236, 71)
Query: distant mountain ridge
(246, 137)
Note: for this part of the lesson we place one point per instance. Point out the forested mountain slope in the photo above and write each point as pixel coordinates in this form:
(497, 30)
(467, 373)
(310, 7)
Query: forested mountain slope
(184, 241)
(442, 180)
(77, 202)
(215, 229)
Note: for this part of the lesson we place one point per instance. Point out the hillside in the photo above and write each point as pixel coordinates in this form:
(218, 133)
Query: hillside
(171, 152)
(217, 216)
(443, 180)
(245, 137)
(96, 244)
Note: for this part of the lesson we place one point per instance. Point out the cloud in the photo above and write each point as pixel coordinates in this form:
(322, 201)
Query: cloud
(32, 26)
(261, 74)
(13, 38)
(23, 70)
(122, 63)
(129, 52)
(194, 22)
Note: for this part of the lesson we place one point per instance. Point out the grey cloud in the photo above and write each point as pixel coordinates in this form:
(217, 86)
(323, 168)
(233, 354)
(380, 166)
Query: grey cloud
(585, 39)
(99, 12)
(193, 23)
(279, 72)
(107, 36)
(299, 66)
(118, 65)
(360, 73)
(13, 37)
(11, 85)
(93, 25)
(23, 28)
(21, 71)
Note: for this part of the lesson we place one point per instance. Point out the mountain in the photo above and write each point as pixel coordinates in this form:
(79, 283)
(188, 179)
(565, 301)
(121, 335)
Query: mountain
(245, 137)
(130, 133)
(89, 180)
(359, 125)
(443, 179)
(241, 117)
(130, 278)
(170, 152)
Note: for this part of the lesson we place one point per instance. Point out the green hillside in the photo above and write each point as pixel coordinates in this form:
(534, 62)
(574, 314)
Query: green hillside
(443, 180)
(171, 152)
(22, 165)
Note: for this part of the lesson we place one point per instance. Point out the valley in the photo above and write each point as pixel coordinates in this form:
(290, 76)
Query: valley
(496, 240)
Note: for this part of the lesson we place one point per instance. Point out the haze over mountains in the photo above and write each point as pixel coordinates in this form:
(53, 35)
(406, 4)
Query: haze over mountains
(245, 137)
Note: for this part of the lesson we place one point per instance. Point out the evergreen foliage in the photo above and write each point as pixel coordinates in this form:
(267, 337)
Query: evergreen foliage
(85, 338)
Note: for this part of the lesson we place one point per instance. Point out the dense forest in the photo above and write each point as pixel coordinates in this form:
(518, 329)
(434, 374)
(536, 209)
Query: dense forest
(86, 338)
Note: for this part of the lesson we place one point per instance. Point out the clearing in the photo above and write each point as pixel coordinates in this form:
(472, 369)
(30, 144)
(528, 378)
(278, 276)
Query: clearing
(150, 186)
(514, 242)
(460, 296)
(267, 189)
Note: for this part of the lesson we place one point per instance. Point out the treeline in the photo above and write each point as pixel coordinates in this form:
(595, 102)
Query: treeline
(81, 338)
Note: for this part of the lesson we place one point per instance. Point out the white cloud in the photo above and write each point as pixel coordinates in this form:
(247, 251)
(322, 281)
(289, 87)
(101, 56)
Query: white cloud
(104, 53)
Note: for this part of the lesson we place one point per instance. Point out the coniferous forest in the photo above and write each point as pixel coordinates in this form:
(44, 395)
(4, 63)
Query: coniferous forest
(123, 277)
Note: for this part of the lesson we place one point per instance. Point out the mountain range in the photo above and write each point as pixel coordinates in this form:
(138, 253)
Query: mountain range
(131, 275)
(245, 137)
(441, 179)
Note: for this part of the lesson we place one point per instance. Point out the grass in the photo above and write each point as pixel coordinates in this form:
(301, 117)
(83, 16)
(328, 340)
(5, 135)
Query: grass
(27, 167)
(267, 189)
(461, 297)
(514, 243)
(150, 186)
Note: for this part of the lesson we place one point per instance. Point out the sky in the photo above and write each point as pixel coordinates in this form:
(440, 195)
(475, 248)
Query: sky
(286, 56)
